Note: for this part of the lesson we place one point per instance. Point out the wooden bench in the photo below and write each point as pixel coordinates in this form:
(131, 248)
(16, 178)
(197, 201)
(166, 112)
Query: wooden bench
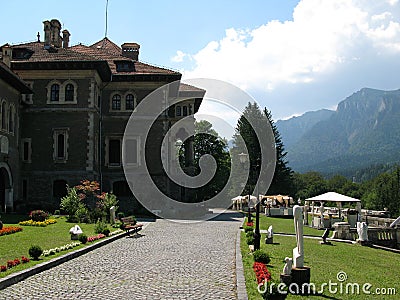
(129, 225)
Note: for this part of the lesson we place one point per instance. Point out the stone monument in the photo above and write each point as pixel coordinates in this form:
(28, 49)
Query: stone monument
(112, 214)
(362, 231)
(300, 273)
(270, 236)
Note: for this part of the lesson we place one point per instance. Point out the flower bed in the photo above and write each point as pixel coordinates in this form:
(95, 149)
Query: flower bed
(38, 223)
(95, 237)
(262, 272)
(53, 251)
(13, 263)
(10, 230)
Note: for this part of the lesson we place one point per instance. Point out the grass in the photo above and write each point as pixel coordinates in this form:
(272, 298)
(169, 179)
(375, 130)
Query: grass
(16, 245)
(361, 264)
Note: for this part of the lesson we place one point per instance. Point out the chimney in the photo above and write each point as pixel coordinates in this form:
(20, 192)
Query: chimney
(47, 33)
(55, 33)
(131, 50)
(65, 38)
(7, 55)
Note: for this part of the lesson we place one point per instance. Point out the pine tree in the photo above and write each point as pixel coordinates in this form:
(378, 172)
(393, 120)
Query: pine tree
(282, 182)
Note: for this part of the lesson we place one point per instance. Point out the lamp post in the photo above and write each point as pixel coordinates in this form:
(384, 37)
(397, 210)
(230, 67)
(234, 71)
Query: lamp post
(257, 234)
(243, 159)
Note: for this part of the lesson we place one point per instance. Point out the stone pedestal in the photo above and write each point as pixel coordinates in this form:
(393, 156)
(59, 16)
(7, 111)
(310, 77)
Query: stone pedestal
(74, 236)
(300, 276)
(286, 279)
(269, 240)
(342, 231)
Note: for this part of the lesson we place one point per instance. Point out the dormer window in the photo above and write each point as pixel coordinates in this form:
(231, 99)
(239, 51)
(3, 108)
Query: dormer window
(125, 66)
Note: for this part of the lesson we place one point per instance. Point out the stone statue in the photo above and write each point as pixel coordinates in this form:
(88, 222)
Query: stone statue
(298, 252)
(112, 215)
(287, 269)
(362, 231)
(305, 212)
(270, 232)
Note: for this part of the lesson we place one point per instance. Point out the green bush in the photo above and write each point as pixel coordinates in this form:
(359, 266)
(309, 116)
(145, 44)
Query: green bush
(248, 228)
(35, 251)
(83, 238)
(57, 212)
(38, 215)
(100, 227)
(250, 233)
(250, 240)
(261, 256)
(120, 215)
(106, 232)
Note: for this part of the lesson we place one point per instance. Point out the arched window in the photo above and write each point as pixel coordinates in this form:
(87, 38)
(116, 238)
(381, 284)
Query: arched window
(116, 102)
(129, 102)
(55, 92)
(69, 92)
(3, 115)
(11, 117)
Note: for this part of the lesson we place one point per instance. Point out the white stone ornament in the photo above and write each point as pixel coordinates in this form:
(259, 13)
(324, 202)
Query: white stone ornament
(298, 252)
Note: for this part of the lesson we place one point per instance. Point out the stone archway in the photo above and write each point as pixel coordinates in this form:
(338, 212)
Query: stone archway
(6, 190)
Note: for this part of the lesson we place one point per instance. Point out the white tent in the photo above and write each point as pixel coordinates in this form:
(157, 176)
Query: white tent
(333, 197)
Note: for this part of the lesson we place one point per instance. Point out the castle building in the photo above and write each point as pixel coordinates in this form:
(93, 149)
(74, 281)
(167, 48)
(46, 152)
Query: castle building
(65, 112)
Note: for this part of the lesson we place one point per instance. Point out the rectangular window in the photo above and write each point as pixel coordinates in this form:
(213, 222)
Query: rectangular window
(114, 152)
(26, 150)
(185, 110)
(131, 151)
(178, 111)
(60, 145)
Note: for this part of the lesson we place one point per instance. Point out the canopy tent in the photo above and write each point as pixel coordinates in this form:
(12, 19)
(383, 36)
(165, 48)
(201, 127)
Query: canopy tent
(333, 197)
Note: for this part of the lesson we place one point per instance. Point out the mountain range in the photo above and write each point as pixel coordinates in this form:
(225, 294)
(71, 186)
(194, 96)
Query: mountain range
(364, 130)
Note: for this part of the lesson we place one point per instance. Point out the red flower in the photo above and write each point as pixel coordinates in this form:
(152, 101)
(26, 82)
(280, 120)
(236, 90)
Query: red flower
(16, 262)
(3, 268)
(10, 230)
(249, 224)
(10, 264)
(262, 273)
(25, 260)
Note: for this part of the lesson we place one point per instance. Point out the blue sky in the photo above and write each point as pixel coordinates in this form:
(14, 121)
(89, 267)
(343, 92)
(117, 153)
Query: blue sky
(291, 56)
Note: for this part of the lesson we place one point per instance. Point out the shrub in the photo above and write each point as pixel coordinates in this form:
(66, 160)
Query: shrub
(106, 232)
(247, 229)
(35, 251)
(120, 215)
(250, 233)
(57, 212)
(38, 215)
(250, 240)
(1, 225)
(261, 256)
(100, 227)
(83, 238)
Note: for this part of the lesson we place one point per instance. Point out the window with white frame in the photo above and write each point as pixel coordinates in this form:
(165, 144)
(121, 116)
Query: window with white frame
(116, 102)
(62, 93)
(60, 145)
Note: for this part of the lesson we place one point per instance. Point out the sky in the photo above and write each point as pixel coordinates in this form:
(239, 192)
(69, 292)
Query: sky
(290, 56)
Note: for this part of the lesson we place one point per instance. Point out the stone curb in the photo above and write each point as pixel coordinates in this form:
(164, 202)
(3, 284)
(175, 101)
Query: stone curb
(240, 280)
(21, 275)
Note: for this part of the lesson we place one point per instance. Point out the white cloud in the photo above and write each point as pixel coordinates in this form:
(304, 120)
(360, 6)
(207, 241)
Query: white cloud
(322, 36)
(179, 57)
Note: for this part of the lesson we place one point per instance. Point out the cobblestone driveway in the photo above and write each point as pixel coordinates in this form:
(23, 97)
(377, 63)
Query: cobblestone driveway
(169, 261)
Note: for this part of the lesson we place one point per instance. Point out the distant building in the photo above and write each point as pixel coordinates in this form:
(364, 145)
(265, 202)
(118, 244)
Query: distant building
(71, 127)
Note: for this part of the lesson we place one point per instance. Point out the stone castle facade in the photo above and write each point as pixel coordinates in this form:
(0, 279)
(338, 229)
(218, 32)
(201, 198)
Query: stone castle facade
(63, 114)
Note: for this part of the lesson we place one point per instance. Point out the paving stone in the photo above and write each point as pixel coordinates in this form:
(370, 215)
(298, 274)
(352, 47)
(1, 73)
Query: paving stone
(168, 260)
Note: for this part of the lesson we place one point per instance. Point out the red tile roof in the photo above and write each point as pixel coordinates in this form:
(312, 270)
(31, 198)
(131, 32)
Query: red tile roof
(103, 50)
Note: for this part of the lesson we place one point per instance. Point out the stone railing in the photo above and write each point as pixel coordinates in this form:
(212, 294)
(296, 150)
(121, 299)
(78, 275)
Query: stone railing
(387, 237)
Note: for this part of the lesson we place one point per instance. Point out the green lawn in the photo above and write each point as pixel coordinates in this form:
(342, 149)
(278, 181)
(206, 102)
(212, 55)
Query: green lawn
(17, 244)
(361, 264)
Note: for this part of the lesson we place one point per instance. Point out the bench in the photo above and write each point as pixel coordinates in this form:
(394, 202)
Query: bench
(129, 225)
